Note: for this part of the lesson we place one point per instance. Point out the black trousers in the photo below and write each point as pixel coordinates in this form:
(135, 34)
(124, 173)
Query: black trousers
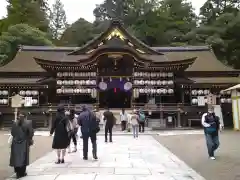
(108, 129)
(20, 171)
(73, 137)
(93, 138)
(141, 126)
(123, 125)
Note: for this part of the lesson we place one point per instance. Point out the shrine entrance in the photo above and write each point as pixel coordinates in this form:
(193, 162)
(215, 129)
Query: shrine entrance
(115, 98)
(115, 80)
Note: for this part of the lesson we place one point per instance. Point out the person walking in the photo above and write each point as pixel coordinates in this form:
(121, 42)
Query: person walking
(73, 136)
(22, 138)
(109, 121)
(123, 119)
(134, 121)
(142, 120)
(89, 128)
(61, 138)
(212, 126)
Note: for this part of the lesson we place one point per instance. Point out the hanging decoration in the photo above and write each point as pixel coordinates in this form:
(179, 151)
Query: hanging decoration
(127, 86)
(103, 86)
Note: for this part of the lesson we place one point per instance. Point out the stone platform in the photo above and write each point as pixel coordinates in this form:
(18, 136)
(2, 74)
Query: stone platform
(126, 158)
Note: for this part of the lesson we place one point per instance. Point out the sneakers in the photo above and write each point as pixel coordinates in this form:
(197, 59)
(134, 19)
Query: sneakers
(212, 158)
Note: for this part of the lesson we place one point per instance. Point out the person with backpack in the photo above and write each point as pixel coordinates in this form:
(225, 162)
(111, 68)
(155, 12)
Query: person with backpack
(212, 126)
(142, 119)
(61, 138)
(89, 128)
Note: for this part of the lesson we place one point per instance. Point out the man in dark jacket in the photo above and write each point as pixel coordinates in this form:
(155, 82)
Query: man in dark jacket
(89, 128)
(109, 120)
(212, 125)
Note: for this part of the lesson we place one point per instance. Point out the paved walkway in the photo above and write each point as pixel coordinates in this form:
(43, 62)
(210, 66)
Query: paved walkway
(126, 158)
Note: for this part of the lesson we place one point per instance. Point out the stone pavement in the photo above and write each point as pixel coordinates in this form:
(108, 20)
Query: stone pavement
(126, 158)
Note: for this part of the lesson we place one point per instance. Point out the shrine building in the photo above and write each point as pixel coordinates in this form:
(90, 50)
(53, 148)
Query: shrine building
(116, 70)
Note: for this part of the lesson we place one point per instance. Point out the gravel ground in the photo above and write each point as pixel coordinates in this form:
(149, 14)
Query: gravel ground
(42, 145)
(192, 150)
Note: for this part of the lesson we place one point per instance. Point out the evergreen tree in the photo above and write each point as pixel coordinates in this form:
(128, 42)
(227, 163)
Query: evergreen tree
(58, 20)
(29, 12)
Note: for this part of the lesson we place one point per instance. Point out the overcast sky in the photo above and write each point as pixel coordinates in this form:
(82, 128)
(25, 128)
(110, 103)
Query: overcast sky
(84, 8)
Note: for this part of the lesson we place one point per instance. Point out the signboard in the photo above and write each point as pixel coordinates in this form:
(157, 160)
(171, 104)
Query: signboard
(212, 99)
(16, 101)
(201, 100)
(28, 101)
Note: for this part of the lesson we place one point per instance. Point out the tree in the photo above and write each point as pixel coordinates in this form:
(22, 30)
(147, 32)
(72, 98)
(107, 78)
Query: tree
(214, 8)
(77, 34)
(58, 20)
(29, 12)
(20, 34)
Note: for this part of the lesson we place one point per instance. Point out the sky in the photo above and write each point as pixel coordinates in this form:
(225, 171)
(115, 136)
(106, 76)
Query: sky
(84, 8)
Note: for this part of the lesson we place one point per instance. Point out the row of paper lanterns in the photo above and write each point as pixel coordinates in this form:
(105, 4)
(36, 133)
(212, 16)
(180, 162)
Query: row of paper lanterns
(34, 101)
(3, 101)
(147, 82)
(4, 92)
(222, 100)
(153, 74)
(76, 82)
(200, 92)
(28, 93)
(225, 93)
(76, 74)
(154, 91)
(76, 90)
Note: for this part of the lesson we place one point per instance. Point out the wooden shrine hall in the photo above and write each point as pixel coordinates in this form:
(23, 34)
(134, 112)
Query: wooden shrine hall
(116, 70)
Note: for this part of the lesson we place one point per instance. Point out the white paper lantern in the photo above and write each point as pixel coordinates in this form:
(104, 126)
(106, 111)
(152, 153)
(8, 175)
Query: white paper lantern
(228, 92)
(165, 91)
(200, 92)
(22, 93)
(141, 91)
(76, 82)
(71, 82)
(159, 82)
(164, 74)
(206, 92)
(34, 93)
(141, 74)
(1, 101)
(81, 82)
(170, 82)
(170, 91)
(5, 92)
(65, 74)
(164, 82)
(223, 100)
(59, 91)
(5, 101)
(86, 82)
(194, 92)
(28, 93)
(34, 101)
(78, 91)
(194, 101)
(153, 82)
(152, 91)
(170, 74)
(158, 91)
(229, 100)
(60, 74)
(59, 82)
(71, 91)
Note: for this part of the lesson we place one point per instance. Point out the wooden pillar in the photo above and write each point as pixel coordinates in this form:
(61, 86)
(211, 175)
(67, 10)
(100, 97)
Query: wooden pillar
(182, 93)
(179, 117)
